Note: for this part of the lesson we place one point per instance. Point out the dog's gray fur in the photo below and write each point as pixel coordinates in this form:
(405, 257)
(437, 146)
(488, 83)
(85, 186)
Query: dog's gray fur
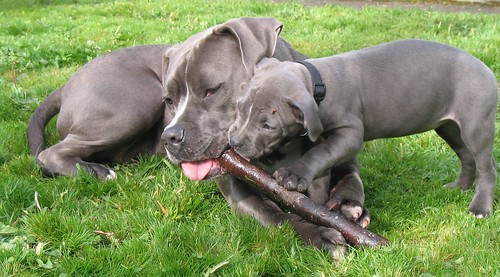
(391, 90)
(109, 111)
(203, 78)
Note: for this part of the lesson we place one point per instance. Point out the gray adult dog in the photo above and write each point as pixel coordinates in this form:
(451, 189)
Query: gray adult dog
(111, 110)
(390, 90)
(203, 78)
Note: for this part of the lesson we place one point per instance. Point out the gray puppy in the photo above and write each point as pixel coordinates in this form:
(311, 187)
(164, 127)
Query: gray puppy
(390, 90)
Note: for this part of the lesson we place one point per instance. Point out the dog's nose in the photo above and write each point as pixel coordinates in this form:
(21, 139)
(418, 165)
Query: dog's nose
(235, 142)
(172, 135)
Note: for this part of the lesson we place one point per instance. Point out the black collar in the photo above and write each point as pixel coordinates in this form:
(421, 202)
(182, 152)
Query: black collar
(319, 88)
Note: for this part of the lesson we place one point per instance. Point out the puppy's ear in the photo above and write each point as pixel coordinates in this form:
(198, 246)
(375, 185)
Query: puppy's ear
(305, 111)
(257, 37)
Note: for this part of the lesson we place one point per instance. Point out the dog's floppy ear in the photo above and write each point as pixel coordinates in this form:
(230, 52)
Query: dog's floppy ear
(257, 37)
(305, 111)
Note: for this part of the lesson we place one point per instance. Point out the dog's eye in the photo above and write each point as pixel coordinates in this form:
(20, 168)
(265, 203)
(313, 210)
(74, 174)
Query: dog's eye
(212, 91)
(267, 127)
(168, 101)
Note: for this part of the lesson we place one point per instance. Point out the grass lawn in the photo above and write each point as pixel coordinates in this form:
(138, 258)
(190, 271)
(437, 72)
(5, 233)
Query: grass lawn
(84, 227)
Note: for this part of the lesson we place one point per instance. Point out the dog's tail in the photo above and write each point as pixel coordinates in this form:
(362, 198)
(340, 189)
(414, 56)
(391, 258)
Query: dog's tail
(40, 118)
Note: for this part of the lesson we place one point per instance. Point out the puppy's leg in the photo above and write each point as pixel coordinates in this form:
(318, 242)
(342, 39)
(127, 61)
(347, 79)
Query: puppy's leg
(347, 193)
(479, 137)
(450, 132)
(341, 146)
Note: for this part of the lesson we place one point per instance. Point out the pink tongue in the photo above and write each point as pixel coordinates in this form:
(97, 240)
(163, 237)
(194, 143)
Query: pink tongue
(198, 170)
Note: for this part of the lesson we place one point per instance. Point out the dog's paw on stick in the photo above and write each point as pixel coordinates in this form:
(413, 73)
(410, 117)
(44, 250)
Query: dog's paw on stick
(298, 202)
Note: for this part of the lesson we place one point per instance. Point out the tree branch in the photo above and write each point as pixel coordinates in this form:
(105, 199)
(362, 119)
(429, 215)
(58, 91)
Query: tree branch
(297, 202)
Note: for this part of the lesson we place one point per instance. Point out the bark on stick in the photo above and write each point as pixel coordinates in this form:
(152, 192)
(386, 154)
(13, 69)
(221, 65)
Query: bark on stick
(297, 202)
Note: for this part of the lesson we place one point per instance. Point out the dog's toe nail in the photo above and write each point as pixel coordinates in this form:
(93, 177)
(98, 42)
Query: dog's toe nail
(333, 205)
(111, 175)
(352, 212)
(357, 211)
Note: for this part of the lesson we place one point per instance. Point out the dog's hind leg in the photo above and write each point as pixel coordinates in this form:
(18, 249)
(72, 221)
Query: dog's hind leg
(479, 138)
(61, 159)
(450, 132)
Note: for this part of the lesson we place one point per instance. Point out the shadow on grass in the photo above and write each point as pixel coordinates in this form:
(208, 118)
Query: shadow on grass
(404, 178)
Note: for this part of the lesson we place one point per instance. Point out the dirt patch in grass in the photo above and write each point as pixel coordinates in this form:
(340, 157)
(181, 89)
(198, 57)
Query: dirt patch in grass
(472, 6)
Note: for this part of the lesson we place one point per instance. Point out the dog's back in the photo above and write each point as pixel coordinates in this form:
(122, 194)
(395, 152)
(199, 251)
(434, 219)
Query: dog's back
(409, 86)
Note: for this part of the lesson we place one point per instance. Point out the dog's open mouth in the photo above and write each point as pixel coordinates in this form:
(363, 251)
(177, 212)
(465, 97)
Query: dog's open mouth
(202, 170)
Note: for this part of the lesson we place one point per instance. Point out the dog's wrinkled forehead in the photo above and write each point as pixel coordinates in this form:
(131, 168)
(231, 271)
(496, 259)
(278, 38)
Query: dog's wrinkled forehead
(242, 42)
(275, 78)
(263, 87)
(175, 59)
(259, 98)
(204, 62)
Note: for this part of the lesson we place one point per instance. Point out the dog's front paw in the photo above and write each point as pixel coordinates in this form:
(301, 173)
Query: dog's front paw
(321, 237)
(351, 209)
(291, 181)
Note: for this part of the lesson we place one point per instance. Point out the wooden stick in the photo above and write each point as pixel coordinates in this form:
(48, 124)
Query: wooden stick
(297, 202)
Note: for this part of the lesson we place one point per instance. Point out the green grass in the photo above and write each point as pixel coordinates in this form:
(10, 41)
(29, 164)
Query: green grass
(48, 226)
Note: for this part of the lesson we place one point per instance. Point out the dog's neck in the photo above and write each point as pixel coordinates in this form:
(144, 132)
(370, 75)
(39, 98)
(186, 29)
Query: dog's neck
(319, 88)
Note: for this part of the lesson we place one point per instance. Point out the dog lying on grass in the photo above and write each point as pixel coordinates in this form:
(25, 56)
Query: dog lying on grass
(390, 90)
(117, 106)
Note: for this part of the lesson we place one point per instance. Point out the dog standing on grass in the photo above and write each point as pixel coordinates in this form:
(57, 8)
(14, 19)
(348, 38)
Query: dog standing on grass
(390, 90)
